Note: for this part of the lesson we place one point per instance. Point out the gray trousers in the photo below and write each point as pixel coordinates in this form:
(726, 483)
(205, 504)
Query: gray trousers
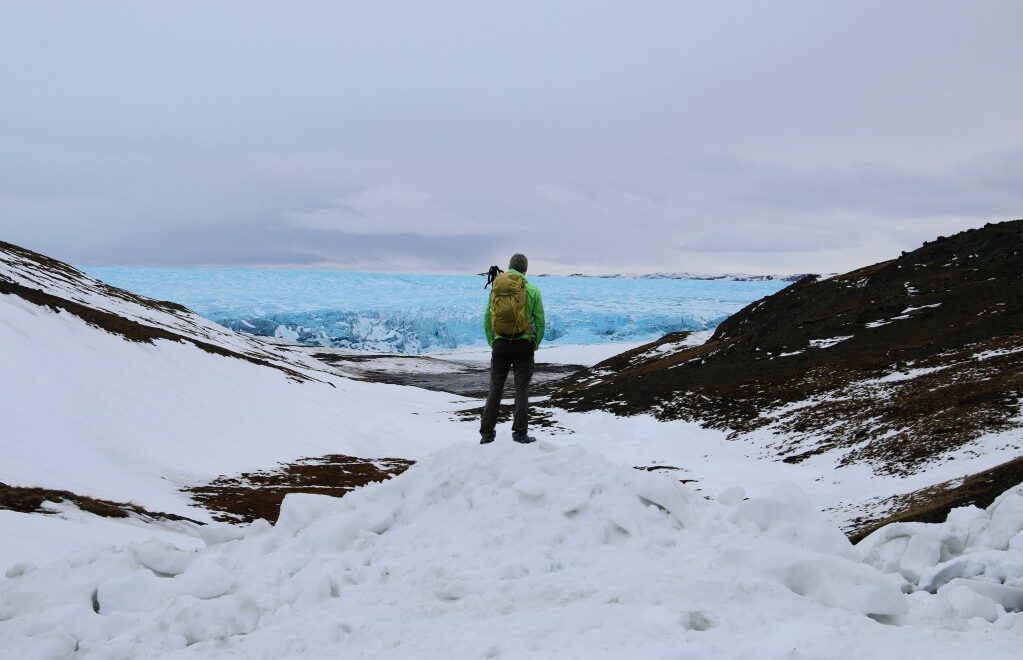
(517, 355)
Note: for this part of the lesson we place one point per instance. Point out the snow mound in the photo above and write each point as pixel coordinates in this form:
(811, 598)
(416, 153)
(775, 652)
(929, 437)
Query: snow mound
(973, 560)
(496, 551)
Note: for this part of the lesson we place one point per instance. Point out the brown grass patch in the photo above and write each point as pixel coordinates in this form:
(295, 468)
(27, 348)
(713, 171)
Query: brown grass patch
(29, 499)
(254, 495)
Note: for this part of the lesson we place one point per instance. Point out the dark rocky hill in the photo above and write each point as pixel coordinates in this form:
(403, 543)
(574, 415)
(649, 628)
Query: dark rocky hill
(896, 365)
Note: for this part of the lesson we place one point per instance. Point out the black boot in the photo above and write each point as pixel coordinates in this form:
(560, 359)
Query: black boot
(486, 439)
(523, 439)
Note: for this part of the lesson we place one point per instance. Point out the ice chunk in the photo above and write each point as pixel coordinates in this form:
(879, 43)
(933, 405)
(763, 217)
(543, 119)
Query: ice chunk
(1010, 598)
(967, 519)
(670, 496)
(967, 603)
(256, 527)
(998, 565)
(51, 645)
(78, 619)
(205, 578)
(309, 586)
(162, 557)
(838, 582)
(573, 499)
(922, 552)
(967, 522)
(140, 591)
(1006, 520)
(940, 575)
(912, 549)
(786, 513)
(298, 510)
(200, 620)
(217, 533)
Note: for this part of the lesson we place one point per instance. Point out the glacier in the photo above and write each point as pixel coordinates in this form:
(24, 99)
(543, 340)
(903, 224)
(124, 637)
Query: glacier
(417, 313)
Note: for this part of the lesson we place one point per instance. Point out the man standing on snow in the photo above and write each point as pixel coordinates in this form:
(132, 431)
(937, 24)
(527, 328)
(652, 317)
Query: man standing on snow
(513, 324)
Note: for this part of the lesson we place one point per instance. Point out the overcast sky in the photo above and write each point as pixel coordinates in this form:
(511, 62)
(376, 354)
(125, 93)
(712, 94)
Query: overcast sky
(769, 137)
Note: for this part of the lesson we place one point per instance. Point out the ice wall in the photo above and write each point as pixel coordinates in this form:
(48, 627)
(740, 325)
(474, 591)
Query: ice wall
(420, 313)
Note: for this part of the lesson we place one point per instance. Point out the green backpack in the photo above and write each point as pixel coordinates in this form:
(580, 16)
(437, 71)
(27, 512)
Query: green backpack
(508, 305)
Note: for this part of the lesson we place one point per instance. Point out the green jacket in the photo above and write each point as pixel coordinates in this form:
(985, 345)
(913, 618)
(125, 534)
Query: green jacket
(534, 312)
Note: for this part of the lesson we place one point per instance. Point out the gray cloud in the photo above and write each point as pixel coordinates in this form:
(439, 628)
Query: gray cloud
(599, 136)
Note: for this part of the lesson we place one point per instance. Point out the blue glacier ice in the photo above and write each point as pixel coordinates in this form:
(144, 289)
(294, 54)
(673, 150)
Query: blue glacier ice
(422, 313)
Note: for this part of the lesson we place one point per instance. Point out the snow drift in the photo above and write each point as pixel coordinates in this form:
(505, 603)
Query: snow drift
(499, 551)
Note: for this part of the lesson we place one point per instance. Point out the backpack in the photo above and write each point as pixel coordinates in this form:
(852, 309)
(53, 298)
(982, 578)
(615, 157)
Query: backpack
(508, 305)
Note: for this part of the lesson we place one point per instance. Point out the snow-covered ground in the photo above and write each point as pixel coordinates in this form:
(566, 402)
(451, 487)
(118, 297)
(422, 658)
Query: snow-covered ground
(530, 551)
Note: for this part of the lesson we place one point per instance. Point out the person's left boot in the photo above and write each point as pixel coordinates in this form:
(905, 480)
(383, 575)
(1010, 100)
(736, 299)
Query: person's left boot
(487, 439)
(523, 439)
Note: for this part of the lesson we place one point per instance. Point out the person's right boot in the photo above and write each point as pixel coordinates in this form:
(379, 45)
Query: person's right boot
(487, 439)
(523, 439)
